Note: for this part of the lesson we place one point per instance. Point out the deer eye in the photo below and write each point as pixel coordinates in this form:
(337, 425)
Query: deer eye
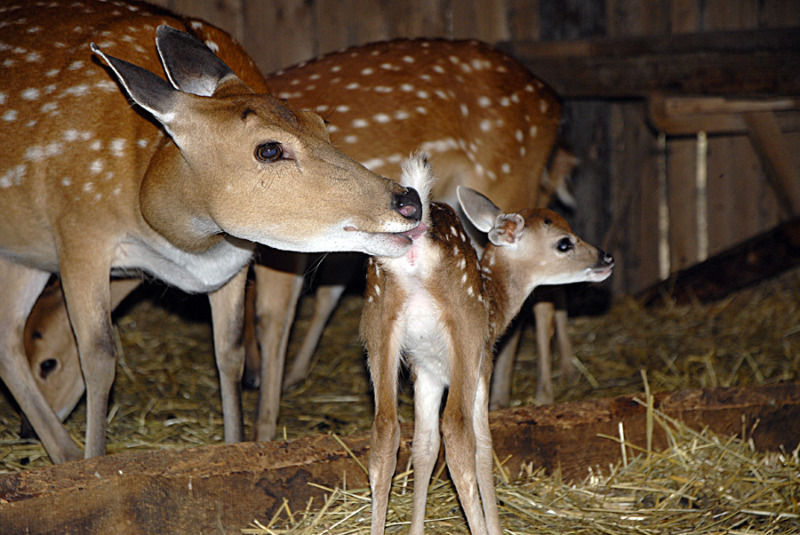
(564, 245)
(269, 152)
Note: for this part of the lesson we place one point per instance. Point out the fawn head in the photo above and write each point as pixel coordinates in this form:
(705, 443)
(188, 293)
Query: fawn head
(536, 245)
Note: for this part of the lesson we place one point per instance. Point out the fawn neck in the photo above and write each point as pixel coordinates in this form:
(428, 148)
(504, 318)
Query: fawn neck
(503, 290)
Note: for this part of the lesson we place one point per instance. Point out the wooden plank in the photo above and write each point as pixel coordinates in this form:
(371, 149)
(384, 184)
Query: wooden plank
(680, 116)
(220, 489)
(771, 148)
(752, 261)
(711, 63)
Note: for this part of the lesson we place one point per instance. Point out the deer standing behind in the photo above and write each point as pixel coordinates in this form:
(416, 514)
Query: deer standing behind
(440, 309)
(179, 186)
(485, 121)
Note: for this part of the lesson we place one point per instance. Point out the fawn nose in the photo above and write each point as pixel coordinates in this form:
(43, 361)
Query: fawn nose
(408, 204)
(605, 259)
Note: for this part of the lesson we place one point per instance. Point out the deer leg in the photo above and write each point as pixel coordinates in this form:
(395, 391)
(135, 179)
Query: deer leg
(459, 442)
(87, 294)
(21, 287)
(326, 299)
(227, 315)
(543, 313)
(384, 361)
(566, 364)
(251, 377)
(277, 292)
(503, 375)
(428, 391)
(484, 458)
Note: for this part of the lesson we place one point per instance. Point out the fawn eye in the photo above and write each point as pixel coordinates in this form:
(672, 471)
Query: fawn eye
(564, 245)
(269, 152)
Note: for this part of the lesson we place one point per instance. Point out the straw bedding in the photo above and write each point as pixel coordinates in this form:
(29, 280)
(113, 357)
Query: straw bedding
(166, 396)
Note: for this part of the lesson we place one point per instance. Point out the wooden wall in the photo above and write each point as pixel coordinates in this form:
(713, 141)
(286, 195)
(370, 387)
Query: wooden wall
(617, 184)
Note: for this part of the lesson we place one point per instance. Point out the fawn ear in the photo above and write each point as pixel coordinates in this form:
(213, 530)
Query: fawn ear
(148, 90)
(190, 65)
(501, 229)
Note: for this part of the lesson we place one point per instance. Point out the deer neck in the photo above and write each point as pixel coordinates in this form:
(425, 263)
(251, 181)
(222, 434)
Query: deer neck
(504, 292)
(172, 204)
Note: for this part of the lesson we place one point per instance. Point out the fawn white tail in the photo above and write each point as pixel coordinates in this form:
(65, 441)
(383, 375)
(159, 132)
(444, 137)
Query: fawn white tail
(441, 309)
(483, 118)
(178, 186)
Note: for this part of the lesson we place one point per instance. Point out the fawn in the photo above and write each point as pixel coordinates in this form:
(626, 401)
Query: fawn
(440, 309)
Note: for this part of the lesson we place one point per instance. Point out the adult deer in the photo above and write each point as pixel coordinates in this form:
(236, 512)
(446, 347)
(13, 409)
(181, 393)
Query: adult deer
(440, 309)
(178, 186)
(483, 118)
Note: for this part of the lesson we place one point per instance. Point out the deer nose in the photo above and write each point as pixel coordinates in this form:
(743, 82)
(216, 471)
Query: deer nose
(408, 204)
(606, 259)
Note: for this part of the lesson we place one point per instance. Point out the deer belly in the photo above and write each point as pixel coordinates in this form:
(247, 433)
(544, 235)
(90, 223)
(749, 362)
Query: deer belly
(425, 338)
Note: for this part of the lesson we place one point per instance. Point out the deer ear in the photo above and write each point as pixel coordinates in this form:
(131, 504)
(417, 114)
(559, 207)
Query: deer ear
(478, 208)
(501, 229)
(148, 90)
(507, 230)
(190, 65)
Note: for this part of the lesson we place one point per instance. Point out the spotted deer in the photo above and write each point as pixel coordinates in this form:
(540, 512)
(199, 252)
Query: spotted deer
(178, 185)
(440, 309)
(483, 118)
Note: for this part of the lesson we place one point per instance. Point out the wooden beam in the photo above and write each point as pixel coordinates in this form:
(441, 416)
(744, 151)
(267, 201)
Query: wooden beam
(221, 489)
(685, 116)
(756, 62)
(752, 261)
(768, 141)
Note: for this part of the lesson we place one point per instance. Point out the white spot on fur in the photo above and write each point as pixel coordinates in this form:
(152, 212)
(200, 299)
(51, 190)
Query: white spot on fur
(486, 125)
(350, 139)
(343, 108)
(352, 85)
(13, 177)
(484, 102)
(30, 94)
(96, 167)
(118, 147)
(360, 123)
(367, 71)
(212, 45)
(381, 118)
(374, 163)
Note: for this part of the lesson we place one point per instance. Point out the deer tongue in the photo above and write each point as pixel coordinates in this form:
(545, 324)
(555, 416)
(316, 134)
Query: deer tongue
(416, 232)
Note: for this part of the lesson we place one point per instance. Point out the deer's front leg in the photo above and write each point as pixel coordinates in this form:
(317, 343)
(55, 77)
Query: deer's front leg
(277, 292)
(21, 287)
(227, 316)
(87, 294)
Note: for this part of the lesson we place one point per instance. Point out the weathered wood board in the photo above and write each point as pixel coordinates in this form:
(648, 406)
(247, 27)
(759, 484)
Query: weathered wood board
(220, 489)
(767, 255)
